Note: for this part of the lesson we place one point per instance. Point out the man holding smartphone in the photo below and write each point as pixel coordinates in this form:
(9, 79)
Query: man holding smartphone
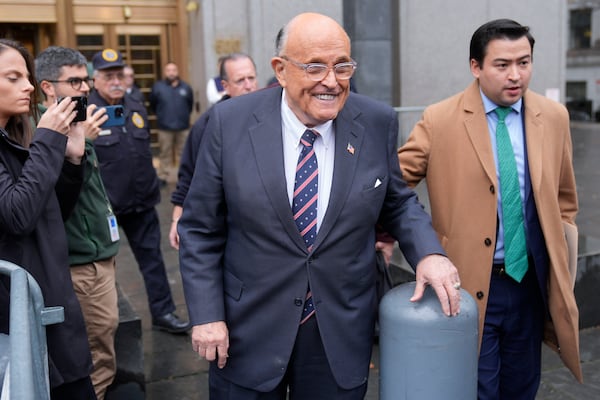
(92, 233)
(132, 184)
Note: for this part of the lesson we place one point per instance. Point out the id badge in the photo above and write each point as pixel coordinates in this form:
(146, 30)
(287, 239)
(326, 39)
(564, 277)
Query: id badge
(113, 227)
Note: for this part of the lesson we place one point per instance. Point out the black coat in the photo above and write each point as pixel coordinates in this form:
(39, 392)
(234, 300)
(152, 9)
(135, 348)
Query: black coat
(125, 159)
(36, 184)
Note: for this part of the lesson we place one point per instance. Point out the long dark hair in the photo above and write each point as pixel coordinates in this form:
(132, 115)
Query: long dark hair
(20, 127)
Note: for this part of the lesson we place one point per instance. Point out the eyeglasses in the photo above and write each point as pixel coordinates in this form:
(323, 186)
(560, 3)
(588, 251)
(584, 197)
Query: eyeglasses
(76, 82)
(317, 71)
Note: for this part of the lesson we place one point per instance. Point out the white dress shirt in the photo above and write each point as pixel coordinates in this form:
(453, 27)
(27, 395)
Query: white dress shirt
(292, 131)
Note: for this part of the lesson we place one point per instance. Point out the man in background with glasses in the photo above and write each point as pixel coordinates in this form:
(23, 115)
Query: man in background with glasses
(132, 185)
(277, 236)
(238, 77)
(92, 233)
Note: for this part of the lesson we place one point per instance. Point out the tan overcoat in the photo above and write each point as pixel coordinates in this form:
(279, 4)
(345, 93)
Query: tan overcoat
(451, 147)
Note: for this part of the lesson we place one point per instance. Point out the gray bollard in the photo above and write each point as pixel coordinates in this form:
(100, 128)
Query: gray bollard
(425, 355)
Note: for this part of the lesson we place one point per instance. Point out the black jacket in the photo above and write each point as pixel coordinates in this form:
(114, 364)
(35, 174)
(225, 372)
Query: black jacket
(125, 160)
(34, 184)
(172, 105)
(189, 155)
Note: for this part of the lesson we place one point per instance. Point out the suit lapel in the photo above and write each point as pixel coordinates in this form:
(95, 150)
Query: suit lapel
(477, 129)
(347, 133)
(267, 144)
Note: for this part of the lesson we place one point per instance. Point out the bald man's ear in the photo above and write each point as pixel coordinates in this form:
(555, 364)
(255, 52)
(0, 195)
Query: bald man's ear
(48, 90)
(225, 85)
(279, 69)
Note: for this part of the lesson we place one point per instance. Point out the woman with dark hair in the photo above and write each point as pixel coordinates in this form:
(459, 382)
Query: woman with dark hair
(40, 178)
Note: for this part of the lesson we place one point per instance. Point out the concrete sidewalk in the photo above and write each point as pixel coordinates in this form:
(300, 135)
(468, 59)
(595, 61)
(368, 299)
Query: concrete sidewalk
(173, 371)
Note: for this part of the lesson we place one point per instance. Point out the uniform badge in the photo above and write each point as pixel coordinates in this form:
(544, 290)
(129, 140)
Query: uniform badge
(137, 120)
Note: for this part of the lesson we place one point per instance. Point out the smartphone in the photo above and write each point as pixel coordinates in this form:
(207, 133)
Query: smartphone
(116, 116)
(80, 107)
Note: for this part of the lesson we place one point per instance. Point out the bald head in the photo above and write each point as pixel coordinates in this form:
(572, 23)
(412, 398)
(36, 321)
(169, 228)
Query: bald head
(308, 29)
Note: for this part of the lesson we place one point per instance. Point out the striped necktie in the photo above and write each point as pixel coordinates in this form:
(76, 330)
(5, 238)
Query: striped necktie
(515, 250)
(304, 203)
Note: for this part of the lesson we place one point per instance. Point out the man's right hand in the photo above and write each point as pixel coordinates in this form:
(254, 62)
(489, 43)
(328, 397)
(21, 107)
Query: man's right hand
(173, 235)
(95, 118)
(211, 341)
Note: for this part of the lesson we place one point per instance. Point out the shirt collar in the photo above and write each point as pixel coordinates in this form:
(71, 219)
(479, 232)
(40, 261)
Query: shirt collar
(292, 124)
(490, 106)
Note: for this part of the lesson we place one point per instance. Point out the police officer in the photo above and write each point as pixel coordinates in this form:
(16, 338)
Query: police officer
(132, 184)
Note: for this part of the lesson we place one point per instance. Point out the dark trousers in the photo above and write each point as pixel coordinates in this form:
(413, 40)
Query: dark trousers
(510, 357)
(143, 233)
(81, 389)
(308, 376)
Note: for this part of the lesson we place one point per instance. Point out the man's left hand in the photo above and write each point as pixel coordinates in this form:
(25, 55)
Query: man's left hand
(387, 249)
(439, 272)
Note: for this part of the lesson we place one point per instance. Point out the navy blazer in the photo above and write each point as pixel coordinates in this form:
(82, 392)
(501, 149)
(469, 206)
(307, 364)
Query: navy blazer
(242, 257)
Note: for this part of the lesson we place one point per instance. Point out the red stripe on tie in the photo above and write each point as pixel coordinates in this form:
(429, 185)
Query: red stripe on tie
(309, 304)
(309, 227)
(306, 183)
(308, 204)
(307, 317)
(304, 160)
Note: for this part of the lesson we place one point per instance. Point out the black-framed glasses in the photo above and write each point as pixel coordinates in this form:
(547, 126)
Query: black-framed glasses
(317, 71)
(76, 82)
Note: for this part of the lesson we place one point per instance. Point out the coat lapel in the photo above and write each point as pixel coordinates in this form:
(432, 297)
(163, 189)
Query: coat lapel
(347, 133)
(267, 144)
(534, 135)
(477, 129)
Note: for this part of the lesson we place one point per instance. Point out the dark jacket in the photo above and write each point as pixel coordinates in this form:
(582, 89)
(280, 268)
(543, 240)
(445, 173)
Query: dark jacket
(32, 235)
(87, 228)
(125, 159)
(172, 105)
(188, 157)
(136, 94)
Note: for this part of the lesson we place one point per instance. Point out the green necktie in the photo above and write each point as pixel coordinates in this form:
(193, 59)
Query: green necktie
(515, 251)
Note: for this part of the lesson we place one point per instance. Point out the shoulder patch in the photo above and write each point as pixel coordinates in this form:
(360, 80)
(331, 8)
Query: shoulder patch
(137, 120)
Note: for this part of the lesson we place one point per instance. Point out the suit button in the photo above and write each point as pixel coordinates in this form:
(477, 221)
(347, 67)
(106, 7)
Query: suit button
(492, 189)
(480, 295)
(298, 302)
(488, 242)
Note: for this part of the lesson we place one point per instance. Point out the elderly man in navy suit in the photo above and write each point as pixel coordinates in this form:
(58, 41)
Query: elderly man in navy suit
(277, 237)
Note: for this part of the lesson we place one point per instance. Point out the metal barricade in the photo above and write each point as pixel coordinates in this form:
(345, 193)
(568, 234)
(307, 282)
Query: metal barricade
(27, 362)
(407, 119)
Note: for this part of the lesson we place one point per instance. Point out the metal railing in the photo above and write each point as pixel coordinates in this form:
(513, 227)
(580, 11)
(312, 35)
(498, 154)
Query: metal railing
(407, 118)
(26, 373)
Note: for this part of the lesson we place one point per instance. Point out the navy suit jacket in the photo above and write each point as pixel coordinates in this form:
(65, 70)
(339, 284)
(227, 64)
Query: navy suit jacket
(243, 260)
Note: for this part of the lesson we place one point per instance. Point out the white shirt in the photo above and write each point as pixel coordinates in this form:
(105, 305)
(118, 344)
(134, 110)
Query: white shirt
(292, 130)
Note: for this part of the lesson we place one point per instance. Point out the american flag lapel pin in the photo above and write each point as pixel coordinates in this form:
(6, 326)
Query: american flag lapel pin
(350, 149)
